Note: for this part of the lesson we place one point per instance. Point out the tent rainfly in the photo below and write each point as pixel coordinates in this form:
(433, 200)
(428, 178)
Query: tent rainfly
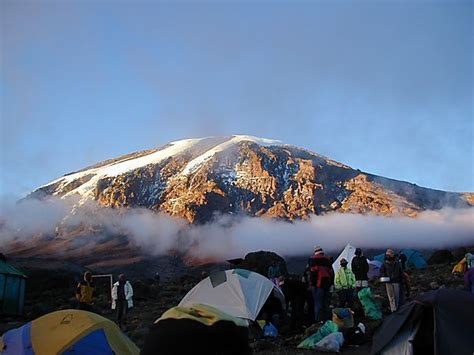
(239, 293)
(67, 332)
(12, 288)
(437, 322)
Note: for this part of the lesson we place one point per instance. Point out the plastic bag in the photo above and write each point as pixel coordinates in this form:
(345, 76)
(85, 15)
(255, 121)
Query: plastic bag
(270, 331)
(332, 342)
(343, 318)
(326, 329)
(371, 309)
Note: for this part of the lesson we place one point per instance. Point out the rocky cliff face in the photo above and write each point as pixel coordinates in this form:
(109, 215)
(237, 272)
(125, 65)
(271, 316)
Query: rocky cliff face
(199, 178)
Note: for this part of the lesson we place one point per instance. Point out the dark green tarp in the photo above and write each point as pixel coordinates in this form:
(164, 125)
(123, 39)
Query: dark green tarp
(440, 322)
(12, 289)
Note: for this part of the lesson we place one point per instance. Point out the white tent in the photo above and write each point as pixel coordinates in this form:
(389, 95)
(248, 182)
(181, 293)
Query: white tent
(240, 293)
(348, 253)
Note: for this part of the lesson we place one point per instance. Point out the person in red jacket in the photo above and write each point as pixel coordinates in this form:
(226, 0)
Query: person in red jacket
(321, 277)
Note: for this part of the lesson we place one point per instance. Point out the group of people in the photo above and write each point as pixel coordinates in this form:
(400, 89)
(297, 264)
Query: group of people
(346, 281)
(121, 294)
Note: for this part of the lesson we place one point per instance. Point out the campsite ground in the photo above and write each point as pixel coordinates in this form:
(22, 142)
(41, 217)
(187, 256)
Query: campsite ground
(47, 291)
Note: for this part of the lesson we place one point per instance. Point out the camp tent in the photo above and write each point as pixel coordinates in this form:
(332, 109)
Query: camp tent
(197, 329)
(374, 269)
(348, 253)
(415, 259)
(239, 293)
(67, 332)
(12, 288)
(438, 322)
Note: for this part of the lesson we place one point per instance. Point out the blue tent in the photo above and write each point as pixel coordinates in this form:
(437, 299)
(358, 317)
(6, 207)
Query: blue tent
(415, 259)
(380, 257)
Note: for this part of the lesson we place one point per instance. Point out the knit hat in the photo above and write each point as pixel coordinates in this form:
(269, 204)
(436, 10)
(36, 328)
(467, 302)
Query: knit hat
(318, 250)
(358, 251)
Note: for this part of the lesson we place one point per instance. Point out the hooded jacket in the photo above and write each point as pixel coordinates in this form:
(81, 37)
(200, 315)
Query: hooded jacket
(344, 279)
(85, 291)
(392, 269)
(360, 267)
(128, 294)
(321, 274)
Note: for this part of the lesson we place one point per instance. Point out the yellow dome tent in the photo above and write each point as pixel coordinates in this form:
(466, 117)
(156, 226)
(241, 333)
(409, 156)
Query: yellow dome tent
(67, 332)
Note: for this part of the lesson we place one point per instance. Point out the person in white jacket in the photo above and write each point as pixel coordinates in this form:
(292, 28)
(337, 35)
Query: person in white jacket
(122, 294)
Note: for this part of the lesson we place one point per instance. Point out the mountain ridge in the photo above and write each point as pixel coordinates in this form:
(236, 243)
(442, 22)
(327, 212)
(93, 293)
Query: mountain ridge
(197, 178)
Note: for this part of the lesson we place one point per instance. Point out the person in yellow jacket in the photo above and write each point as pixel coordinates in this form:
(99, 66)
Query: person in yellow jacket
(344, 282)
(85, 292)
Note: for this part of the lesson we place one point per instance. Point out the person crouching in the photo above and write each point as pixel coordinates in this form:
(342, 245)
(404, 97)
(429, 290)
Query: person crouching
(345, 283)
(122, 293)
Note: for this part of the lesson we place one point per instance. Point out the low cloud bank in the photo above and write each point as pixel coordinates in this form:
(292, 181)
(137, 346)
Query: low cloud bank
(228, 236)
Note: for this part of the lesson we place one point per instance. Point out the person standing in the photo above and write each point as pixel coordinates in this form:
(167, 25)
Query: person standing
(360, 268)
(345, 282)
(122, 294)
(321, 277)
(392, 269)
(85, 292)
(469, 280)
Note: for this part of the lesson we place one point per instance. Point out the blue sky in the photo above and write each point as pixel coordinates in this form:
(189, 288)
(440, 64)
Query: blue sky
(386, 87)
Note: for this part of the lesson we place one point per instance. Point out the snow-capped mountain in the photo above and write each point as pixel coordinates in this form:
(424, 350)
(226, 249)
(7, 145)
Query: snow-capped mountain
(197, 178)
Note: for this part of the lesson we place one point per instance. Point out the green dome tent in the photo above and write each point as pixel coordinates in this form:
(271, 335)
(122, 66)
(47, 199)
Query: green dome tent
(12, 288)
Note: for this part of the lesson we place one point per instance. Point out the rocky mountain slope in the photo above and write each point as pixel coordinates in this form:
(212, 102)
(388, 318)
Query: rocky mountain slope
(198, 178)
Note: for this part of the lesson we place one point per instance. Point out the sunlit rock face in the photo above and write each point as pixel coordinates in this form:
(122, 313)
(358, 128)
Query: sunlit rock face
(200, 178)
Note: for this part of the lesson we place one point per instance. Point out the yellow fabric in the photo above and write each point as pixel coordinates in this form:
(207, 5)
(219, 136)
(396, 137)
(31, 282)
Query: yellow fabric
(57, 331)
(86, 293)
(461, 266)
(204, 314)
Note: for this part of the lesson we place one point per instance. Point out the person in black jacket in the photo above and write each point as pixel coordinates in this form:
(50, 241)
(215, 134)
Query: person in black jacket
(360, 268)
(392, 269)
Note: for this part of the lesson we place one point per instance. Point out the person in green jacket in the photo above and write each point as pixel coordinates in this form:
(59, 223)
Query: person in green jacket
(344, 282)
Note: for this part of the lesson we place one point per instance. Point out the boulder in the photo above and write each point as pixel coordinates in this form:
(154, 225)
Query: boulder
(441, 257)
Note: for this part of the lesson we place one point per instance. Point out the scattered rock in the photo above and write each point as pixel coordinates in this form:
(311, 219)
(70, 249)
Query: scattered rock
(263, 345)
(434, 285)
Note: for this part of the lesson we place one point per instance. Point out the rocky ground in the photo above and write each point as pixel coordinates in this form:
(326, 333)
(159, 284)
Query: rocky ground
(48, 291)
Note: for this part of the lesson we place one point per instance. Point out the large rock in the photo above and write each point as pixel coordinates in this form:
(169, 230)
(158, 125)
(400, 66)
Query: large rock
(441, 257)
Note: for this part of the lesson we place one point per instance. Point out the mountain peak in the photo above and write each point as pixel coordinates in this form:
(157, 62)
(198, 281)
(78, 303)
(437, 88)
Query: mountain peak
(198, 177)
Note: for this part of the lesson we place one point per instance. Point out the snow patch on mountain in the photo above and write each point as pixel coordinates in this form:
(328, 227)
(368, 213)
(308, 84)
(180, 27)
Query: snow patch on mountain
(116, 169)
(196, 163)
